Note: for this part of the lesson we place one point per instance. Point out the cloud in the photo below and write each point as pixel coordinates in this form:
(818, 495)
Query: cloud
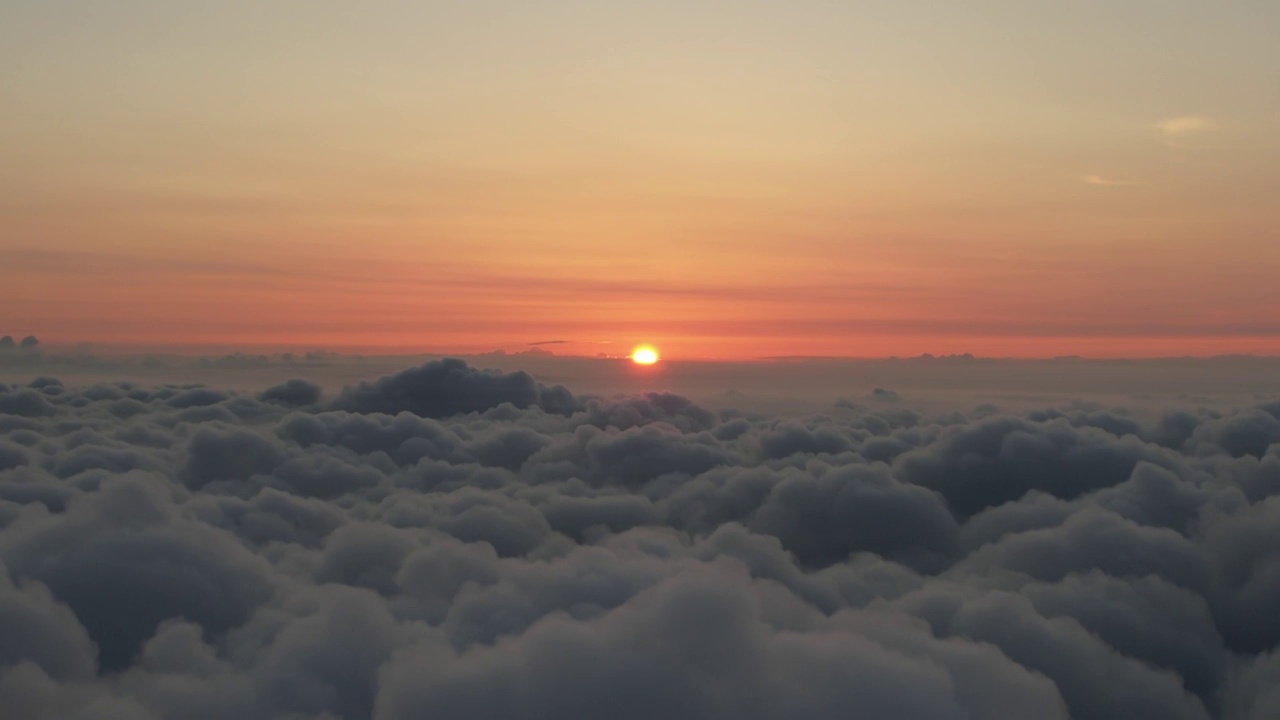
(1109, 181)
(1186, 131)
(295, 392)
(1186, 125)
(450, 387)
(461, 543)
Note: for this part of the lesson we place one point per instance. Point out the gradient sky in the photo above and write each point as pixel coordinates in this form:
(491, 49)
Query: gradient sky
(723, 179)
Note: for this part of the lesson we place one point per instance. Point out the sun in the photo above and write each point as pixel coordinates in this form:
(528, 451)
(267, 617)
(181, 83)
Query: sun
(644, 355)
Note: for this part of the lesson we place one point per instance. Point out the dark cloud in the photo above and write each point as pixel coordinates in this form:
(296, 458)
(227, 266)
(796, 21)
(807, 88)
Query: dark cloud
(695, 646)
(124, 560)
(26, 402)
(822, 520)
(294, 393)
(460, 543)
(1093, 678)
(885, 395)
(40, 630)
(219, 453)
(450, 387)
(998, 460)
(12, 455)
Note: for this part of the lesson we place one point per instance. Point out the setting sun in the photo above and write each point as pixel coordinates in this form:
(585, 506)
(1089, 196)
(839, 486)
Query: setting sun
(644, 355)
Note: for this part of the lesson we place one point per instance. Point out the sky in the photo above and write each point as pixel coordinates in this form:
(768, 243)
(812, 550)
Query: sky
(721, 179)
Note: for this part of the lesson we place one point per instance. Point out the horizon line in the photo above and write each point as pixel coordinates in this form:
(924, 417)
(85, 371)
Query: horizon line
(69, 351)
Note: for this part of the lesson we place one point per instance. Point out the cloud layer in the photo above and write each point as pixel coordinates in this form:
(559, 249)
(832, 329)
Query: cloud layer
(454, 543)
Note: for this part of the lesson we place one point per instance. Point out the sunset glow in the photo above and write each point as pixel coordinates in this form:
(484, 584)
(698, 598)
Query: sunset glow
(693, 359)
(806, 178)
(644, 355)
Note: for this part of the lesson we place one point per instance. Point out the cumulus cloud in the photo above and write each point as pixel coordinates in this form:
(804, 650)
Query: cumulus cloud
(458, 543)
(450, 387)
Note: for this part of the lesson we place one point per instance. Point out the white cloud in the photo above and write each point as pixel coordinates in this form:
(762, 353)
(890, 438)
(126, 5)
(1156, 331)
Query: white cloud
(1109, 182)
(1186, 125)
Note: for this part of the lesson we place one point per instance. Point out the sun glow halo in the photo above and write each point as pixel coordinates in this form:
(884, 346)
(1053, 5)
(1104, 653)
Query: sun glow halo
(644, 355)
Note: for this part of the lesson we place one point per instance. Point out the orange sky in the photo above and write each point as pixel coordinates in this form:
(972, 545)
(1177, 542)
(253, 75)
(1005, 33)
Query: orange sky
(722, 180)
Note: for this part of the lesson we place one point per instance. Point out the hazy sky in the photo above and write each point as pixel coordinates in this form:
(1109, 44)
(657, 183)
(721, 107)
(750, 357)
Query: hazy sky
(722, 179)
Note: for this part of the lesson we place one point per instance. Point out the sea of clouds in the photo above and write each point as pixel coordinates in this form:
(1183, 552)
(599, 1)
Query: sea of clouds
(448, 542)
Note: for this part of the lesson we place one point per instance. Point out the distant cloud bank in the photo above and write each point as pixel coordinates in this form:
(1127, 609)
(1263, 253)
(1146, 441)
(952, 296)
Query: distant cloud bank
(450, 542)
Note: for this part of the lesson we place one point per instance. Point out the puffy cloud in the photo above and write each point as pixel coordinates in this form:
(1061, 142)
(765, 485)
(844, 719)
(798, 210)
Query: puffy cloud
(12, 455)
(38, 629)
(824, 519)
(450, 387)
(26, 402)
(1254, 693)
(453, 542)
(295, 393)
(695, 646)
(1094, 679)
(998, 460)
(124, 560)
